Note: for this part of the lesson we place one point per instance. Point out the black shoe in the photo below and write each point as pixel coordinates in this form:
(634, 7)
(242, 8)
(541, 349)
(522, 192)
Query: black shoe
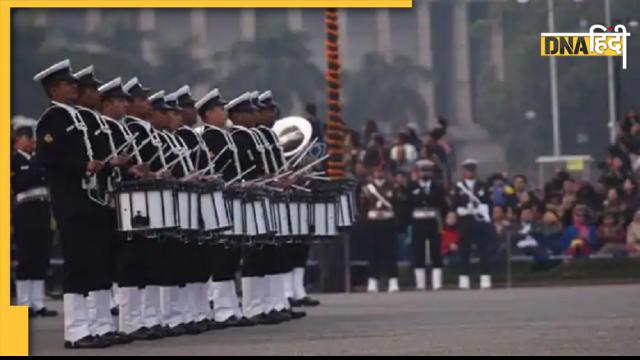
(203, 326)
(44, 312)
(145, 334)
(193, 329)
(87, 342)
(117, 338)
(242, 322)
(267, 319)
(282, 315)
(308, 302)
(159, 331)
(211, 304)
(294, 302)
(32, 313)
(175, 331)
(295, 315)
(115, 311)
(214, 325)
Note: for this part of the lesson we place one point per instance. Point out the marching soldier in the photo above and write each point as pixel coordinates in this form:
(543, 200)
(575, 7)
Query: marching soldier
(196, 282)
(279, 262)
(63, 148)
(224, 259)
(427, 200)
(378, 202)
(471, 200)
(31, 220)
(251, 155)
(164, 309)
(138, 306)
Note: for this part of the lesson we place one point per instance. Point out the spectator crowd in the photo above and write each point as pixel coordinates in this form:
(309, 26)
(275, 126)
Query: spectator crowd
(568, 218)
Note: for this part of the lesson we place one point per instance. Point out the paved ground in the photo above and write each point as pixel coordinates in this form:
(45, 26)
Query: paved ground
(543, 321)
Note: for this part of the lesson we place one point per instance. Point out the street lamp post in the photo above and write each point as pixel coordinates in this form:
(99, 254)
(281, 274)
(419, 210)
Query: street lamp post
(553, 74)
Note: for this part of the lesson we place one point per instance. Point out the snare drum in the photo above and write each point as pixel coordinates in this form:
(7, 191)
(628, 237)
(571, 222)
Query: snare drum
(324, 211)
(188, 201)
(299, 218)
(257, 215)
(213, 208)
(346, 205)
(234, 199)
(146, 206)
(282, 216)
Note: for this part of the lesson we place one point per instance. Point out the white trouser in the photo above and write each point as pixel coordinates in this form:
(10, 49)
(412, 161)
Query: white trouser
(99, 308)
(288, 284)
(198, 303)
(299, 291)
(277, 285)
(23, 293)
(436, 278)
(151, 311)
(253, 291)
(225, 300)
(421, 278)
(204, 309)
(188, 314)
(130, 317)
(76, 317)
(115, 301)
(269, 298)
(170, 306)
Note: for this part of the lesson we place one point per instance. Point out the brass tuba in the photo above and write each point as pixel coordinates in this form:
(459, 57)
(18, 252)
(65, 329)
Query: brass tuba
(294, 135)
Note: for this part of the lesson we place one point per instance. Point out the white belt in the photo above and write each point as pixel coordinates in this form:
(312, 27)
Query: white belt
(380, 215)
(424, 214)
(39, 193)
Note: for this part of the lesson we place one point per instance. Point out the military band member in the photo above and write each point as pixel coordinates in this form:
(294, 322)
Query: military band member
(224, 259)
(31, 220)
(241, 111)
(471, 200)
(64, 150)
(198, 276)
(277, 259)
(378, 203)
(137, 306)
(427, 200)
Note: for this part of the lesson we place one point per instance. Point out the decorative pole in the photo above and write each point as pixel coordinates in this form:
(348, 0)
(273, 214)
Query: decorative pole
(335, 129)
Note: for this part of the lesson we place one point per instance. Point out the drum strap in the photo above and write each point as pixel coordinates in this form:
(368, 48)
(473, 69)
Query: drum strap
(374, 191)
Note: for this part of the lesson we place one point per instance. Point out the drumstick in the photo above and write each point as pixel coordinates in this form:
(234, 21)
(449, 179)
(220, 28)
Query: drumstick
(171, 164)
(157, 154)
(118, 150)
(305, 152)
(138, 147)
(212, 164)
(311, 165)
(240, 176)
(321, 178)
(298, 187)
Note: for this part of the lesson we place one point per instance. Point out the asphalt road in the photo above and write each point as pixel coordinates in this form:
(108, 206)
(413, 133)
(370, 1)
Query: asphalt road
(600, 320)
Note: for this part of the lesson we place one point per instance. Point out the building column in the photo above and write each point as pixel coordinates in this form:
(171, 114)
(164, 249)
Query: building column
(147, 27)
(294, 19)
(93, 19)
(497, 41)
(383, 24)
(199, 33)
(248, 24)
(425, 58)
(461, 64)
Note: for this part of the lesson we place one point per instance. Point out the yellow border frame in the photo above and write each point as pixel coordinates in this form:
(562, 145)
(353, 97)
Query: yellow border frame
(14, 339)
